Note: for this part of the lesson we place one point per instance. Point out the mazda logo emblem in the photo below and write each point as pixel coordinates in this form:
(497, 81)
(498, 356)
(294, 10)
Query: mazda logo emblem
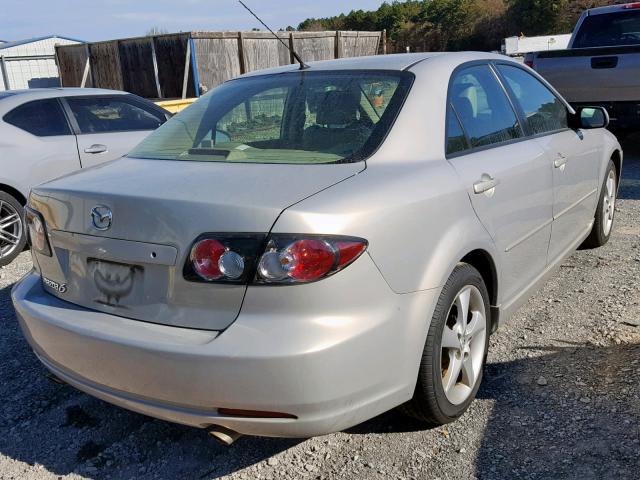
(101, 217)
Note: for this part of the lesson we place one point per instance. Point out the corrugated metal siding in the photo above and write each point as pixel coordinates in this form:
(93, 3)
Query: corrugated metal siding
(32, 73)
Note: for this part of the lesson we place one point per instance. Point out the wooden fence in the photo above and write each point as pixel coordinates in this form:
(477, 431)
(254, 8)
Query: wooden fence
(184, 65)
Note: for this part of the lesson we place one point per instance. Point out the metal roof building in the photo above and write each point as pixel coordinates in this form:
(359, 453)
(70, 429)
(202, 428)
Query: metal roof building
(31, 63)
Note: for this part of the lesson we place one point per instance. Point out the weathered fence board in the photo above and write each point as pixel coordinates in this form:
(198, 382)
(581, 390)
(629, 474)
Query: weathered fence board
(217, 60)
(170, 54)
(155, 66)
(105, 65)
(71, 63)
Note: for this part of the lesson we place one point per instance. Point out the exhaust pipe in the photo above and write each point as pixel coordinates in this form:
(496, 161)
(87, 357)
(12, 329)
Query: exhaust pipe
(224, 435)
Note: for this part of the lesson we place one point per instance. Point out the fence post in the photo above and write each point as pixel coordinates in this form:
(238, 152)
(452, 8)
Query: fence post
(338, 53)
(154, 59)
(384, 41)
(243, 62)
(291, 50)
(187, 66)
(5, 75)
(87, 68)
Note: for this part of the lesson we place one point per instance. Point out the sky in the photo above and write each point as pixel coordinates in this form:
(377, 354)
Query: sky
(93, 20)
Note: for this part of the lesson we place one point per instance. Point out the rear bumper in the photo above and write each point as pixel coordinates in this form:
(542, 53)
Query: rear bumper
(331, 356)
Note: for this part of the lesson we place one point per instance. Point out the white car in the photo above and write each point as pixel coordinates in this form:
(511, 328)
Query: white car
(46, 133)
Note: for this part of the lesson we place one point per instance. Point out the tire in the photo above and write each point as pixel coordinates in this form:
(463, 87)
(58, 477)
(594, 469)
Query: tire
(605, 211)
(431, 402)
(12, 232)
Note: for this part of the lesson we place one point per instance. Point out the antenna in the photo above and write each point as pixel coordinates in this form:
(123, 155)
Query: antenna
(303, 65)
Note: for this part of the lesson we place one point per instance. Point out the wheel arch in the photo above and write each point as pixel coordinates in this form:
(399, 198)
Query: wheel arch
(482, 261)
(616, 158)
(14, 192)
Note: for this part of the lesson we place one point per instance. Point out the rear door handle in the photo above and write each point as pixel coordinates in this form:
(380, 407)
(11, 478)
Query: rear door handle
(560, 161)
(485, 184)
(96, 148)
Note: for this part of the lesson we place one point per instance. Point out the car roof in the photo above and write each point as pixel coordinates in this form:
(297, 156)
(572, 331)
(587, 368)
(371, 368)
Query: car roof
(611, 8)
(393, 62)
(37, 93)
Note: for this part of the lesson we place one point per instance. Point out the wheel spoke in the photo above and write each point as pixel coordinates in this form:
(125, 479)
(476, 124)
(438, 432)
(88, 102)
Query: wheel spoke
(468, 374)
(462, 303)
(476, 325)
(8, 237)
(450, 338)
(8, 221)
(453, 372)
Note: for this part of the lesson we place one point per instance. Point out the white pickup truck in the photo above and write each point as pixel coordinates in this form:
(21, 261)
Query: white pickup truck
(601, 65)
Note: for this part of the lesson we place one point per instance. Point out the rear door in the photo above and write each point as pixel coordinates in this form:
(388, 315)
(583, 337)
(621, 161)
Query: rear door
(506, 174)
(108, 127)
(573, 156)
(36, 144)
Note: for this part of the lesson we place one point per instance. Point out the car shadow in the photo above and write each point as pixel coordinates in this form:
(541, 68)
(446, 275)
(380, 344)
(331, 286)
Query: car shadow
(581, 421)
(571, 411)
(630, 183)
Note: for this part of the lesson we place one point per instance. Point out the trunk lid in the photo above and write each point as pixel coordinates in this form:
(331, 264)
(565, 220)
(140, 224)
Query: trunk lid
(134, 268)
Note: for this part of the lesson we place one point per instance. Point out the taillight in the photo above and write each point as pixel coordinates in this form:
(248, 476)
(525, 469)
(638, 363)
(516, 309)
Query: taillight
(285, 259)
(529, 63)
(37, 232)
(301, 259)
(631, 5)
(228, 258)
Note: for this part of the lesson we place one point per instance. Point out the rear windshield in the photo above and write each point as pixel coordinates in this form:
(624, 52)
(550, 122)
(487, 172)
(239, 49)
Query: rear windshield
(296, 117)
(609, 29)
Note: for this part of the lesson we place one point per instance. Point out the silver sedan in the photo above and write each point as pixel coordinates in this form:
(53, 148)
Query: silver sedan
(303, 249)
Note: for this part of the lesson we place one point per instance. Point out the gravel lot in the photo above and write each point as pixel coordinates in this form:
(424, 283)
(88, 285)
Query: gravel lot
(560, 399)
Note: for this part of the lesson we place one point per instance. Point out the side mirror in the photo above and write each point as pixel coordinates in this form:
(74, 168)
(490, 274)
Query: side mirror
(590, 117)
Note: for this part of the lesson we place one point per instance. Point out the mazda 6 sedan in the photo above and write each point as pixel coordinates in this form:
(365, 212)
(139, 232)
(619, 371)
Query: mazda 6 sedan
(304, 249)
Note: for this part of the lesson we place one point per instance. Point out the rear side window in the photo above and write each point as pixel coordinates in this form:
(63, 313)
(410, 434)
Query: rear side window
(543, 110)
(483, 107)
(43, 118)
(113, 114)
(609, 29)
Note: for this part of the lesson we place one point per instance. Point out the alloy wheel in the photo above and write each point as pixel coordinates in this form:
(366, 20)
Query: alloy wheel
(609, 203)
(463, 344)
(10, 229)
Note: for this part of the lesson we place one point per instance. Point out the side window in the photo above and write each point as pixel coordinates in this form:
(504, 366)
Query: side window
(483, 107)
(258, 119)
(456, 141)
(43, 118)
(543, 110)
(112, 114)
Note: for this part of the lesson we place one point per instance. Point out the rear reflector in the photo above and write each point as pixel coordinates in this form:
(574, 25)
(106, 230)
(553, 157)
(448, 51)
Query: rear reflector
(234, 412)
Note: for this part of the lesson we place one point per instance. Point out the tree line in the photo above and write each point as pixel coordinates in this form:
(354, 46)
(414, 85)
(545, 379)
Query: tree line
(439, 25)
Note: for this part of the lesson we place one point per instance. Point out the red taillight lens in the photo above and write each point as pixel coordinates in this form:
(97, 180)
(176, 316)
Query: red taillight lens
(205, 257)
(529, 63)
(307, 260)
(631, 5)
(296, 259)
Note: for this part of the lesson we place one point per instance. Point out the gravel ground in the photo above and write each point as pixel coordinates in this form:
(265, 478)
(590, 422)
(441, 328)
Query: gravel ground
(560, 399)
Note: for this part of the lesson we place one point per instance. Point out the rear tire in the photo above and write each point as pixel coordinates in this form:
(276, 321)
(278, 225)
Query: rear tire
(605, 211)
(12, 232)
(455, 351)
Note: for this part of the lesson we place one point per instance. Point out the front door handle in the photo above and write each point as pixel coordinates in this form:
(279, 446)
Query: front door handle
(96, 148)
(486, 184)
(560, 161)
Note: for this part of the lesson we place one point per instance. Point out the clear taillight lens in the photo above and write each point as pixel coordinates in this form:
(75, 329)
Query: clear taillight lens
(37, 236)
(285, 259)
